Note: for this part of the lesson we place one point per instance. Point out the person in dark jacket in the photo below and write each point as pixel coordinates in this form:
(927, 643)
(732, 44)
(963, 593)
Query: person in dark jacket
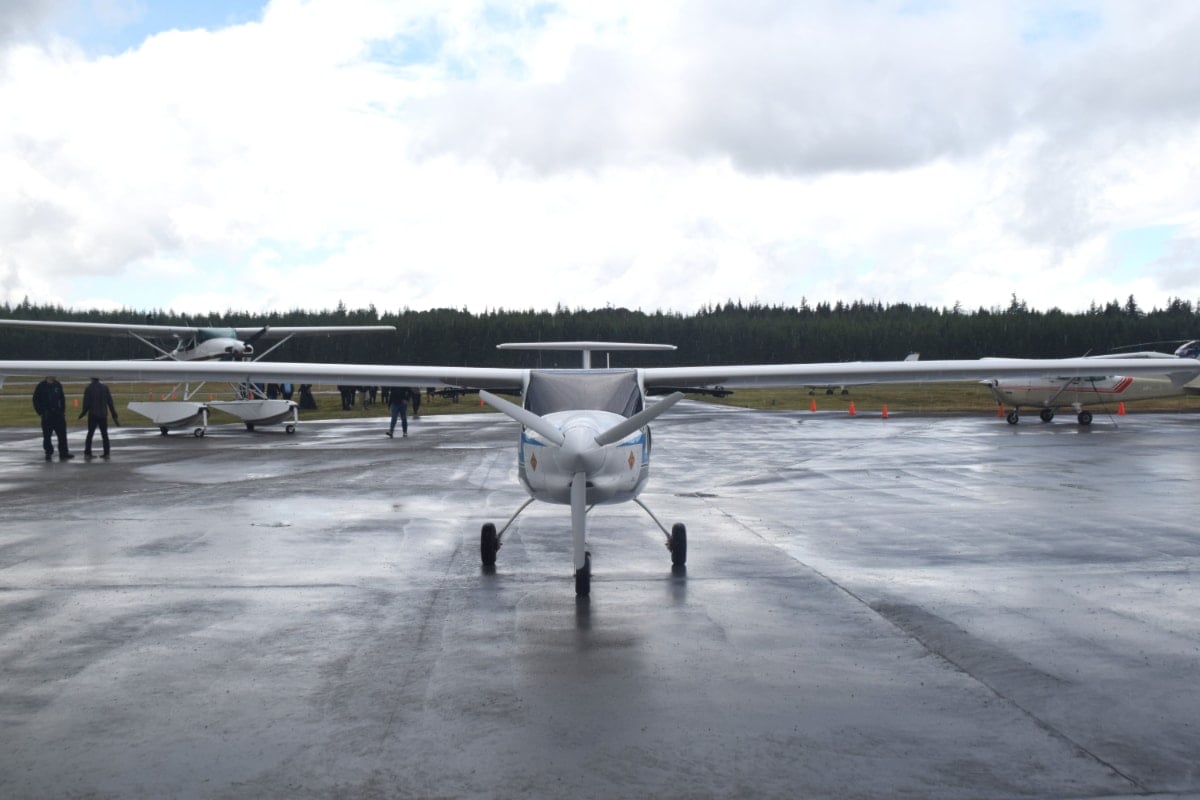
(399, 397)
(97, 404)
(51, 405)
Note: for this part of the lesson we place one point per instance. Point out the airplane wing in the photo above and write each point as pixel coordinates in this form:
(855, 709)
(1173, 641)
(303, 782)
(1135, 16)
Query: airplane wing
(784, 375)
(734, 376)
(273, 331)
(274, 372)
(119, 329)
(100, 328)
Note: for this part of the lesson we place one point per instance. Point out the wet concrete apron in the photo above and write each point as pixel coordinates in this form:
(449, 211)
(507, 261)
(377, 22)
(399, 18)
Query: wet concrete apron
(911, 607)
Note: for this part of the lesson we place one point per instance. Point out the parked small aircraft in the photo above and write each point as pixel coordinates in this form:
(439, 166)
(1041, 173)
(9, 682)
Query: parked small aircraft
(844, 388)
(585, 436)
(190, 343)
(1050, 393)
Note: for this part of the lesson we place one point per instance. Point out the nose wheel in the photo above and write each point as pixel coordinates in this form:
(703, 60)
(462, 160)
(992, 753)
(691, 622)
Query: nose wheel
(583, 577)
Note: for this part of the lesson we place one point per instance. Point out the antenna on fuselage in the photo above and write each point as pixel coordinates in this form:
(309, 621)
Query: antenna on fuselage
(585, 348)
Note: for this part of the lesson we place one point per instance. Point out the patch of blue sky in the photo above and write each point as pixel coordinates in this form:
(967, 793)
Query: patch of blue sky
(109, 27)
(420, 46)
(1054, 23)
(923, 8)
(503, 17)
(1136, 248)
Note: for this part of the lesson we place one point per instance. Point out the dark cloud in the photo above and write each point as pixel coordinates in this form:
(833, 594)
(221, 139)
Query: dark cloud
(806, 88)
(20, 19)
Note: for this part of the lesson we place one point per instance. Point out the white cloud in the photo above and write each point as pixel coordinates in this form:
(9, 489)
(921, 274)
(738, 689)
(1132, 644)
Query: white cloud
(629, 154)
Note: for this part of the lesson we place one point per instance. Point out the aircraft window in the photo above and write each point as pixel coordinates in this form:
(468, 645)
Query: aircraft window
(1189, 349)
(608, 390)
(204, 334)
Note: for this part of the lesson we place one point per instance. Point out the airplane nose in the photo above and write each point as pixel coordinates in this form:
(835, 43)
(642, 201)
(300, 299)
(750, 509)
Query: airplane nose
(579, 452)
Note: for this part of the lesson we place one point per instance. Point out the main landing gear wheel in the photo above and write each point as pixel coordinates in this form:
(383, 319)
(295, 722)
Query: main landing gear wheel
(1085, 418)
(583, 577)
(489, 543)
(678, 544)
(1047, 414)
(198, 433)
(1013, 417)
(290, 428)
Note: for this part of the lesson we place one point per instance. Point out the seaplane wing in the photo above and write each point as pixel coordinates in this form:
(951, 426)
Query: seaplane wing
(584, 436)
(192, 343)
(164, 331)
(102, 328)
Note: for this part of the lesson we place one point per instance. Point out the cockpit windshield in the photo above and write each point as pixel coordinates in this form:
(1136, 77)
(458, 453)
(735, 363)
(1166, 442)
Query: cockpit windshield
(204, 334)
(1189, 349)
(615, 391)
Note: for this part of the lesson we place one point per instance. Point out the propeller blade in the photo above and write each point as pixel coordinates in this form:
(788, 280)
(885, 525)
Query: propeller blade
(254, 337)
(622, 429)
(526, 418)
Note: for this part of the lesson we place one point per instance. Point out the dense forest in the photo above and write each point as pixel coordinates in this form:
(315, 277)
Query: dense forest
(730, 333)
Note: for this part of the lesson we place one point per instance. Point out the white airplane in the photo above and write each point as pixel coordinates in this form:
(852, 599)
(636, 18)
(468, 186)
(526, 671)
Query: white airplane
(844, 388)
(1048, 393)
(585, 437)
(190, 343)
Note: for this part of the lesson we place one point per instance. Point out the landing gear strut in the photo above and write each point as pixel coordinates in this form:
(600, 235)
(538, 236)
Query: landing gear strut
(490, 540)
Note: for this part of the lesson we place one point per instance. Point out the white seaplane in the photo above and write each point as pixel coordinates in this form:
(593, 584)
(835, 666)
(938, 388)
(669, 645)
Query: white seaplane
(1048, 393)
(585, 437)
(188, 343)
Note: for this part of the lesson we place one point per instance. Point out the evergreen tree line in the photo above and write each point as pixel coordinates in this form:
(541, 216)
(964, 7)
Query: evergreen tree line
(720, 334)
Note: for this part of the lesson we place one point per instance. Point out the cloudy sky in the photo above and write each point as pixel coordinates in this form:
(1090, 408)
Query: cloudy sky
(231, 154)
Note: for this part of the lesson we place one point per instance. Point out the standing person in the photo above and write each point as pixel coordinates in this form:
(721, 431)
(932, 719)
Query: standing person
(97, 404)
(51, 405)
(399, 397)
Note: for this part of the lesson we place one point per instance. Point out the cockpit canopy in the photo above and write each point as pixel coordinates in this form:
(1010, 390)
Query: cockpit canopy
(615, 391)
(1189, 349)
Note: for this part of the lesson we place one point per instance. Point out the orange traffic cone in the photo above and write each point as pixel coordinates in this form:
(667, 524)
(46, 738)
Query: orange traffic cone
(852, 411)
(1000, 410)
(1121, 409)
(885, 410)
(813, 405)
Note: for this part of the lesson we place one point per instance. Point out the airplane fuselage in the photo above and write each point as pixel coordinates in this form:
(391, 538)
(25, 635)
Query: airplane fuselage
(615, 473)
(1076, 392)
(212, 344)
